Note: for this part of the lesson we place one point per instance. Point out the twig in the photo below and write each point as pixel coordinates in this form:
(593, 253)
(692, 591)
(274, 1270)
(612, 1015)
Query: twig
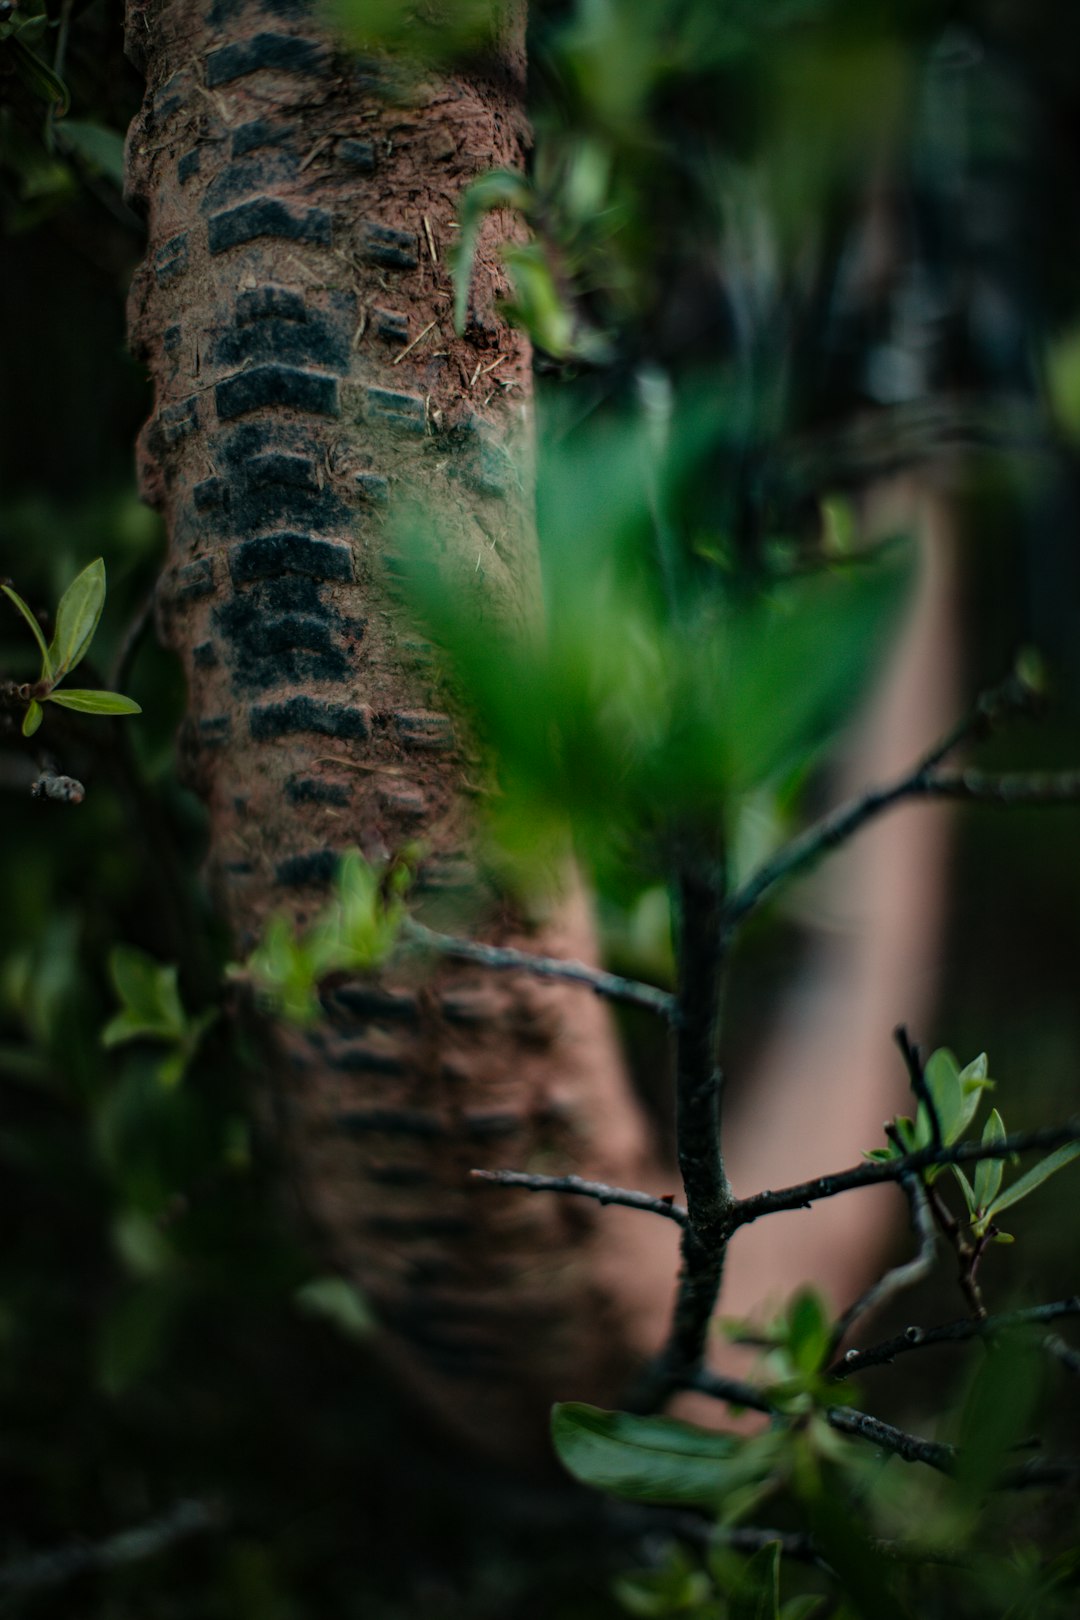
(874, 1172)
(596, 1190)
(897, 1442)
(63, 1564)
(917, 1076)
(505, 959)
(924, 781)
(1062, 1352)
(958, 1332)
(129, 646)
(900, 1277)
(409, 347)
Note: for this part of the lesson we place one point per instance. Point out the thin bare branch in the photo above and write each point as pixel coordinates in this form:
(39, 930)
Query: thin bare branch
(1062, 1353)
(876, 1171)
(923, 781)
(37, 1571)
(897, 1442)
(900, 1277)
(597, 1190)
(507, 960)
(958, 1332)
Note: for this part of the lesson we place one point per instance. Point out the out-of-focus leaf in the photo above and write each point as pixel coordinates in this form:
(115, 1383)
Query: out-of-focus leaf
(649, 1459)
(97, 145)
(808, 1330)
(32, 719)
(997, 1414)
(502, 188)
(149, 998)
(77, 618)
(336, 1300)
(757, 1594)
(38, 76)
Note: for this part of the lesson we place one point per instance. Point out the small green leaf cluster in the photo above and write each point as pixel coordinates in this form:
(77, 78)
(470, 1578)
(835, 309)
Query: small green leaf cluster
(953, 1098)
(662, 1460)
(354, 933)
(77, 620)
(151, 1010)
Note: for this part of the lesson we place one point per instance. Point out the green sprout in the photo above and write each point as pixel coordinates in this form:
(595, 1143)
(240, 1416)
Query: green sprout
(76, 622)
(355, 932)
(955, 1095)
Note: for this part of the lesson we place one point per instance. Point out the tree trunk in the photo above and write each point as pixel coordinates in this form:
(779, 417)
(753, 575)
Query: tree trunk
(294, 310)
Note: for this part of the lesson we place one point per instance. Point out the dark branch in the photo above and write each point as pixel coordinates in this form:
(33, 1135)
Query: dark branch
(504, 959)
(958, 1332)
(898, 1443)
(597, 1190)
(922, 781)
(874, 1172)
(62, 1564)
(900, 1277)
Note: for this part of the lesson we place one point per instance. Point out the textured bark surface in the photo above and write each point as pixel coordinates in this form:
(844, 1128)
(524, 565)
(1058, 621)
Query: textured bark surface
(300, 214)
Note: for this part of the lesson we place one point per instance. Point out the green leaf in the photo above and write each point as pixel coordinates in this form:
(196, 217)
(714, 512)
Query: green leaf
(942, 1075)
(98, 146)
(33, 717)
(676, 1588)
(966, 1188)
(646, 1459)
(537, 306)
(38, 77)
(988, 1172)
(94, 702)
(973, 1082)
(46, 664)
(801, 1608)
(150, 1001)
(337, 1301)
(997, 1414)
(502, 188)
(77, 618)
(757, 1595)
(1035, 1178)
(808, 1330)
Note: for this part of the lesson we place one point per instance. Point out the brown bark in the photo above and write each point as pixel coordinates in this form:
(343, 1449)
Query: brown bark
(300, 216)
